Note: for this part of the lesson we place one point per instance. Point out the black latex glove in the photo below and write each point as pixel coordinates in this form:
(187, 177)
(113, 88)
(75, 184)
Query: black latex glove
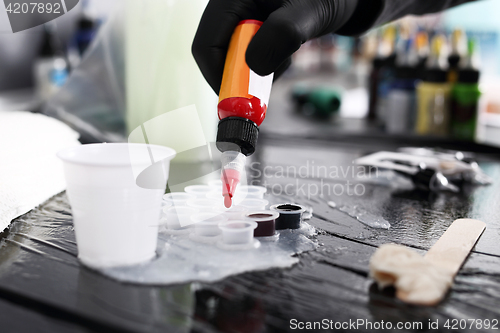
(287, 25)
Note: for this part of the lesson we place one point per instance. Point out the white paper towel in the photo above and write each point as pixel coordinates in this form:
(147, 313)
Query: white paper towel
(30, 172)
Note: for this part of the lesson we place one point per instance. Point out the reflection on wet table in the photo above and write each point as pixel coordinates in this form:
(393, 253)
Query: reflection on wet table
(39, 269)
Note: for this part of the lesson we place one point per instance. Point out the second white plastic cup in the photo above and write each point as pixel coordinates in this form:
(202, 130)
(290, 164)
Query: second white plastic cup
(200, 191)
(179, 218)
(237, 232)
(252, 191)
(207, 224)
(235, 212)
(177, 199)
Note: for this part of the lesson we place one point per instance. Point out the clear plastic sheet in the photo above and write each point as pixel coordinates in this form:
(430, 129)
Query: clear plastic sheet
(181, 260)
(48, 231)
(92, 101)
(139, 68)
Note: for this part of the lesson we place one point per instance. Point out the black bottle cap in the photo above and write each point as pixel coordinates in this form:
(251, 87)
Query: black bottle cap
(421, 67)
(436, 75)
(468, 75)
(454, 60)
(378, 62)
(406, 72)
(47, 49)
(51, 45)
(390, 61)
(85, 23)
(237, 131)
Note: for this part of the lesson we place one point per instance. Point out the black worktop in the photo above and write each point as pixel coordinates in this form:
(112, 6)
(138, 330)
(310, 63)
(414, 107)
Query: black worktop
(43, 287)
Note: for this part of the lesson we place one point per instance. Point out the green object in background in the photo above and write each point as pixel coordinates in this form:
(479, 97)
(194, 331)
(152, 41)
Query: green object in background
(326, 101)
(319, 102)
(465, 97)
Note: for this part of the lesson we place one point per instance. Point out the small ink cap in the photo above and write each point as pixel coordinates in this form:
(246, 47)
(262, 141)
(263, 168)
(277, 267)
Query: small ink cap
(237, 132)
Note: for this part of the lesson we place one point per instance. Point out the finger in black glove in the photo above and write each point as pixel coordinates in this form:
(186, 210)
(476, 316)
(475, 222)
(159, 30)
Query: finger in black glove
(287, 25)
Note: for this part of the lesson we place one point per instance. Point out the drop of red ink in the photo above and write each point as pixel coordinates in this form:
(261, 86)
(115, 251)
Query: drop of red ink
(228, 201)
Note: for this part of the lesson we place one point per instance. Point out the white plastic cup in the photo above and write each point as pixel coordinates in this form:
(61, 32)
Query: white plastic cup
(215, 184)
(237, 232)
(116, 221)
(177, 198)
(179, 218)
(200, 191)
(219, 199)
(252, 191)
(207, 224)
(215, 195)
(235, 212)
(254, 204)
(166, 204)
(202, 204)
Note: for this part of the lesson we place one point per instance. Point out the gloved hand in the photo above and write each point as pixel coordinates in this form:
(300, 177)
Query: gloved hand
(287, 25)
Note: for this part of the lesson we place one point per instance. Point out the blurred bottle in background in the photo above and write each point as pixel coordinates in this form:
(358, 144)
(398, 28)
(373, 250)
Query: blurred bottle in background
(381, 76)
(458, 46)
(401, 110)
(422, 45)
(326, 48)
(433, 93)
(465, 96)
(343, 58)
(50, 68)
(86, 27)
(307, 60)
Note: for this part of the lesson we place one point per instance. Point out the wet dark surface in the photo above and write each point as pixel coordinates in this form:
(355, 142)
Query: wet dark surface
(42, 285)
(43, 288)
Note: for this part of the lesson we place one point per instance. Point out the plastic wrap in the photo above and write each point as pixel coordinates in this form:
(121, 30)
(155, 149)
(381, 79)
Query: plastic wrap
(93, 99)
(181, 259)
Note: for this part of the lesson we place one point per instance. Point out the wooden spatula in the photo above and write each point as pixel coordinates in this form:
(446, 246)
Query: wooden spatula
(425, 280)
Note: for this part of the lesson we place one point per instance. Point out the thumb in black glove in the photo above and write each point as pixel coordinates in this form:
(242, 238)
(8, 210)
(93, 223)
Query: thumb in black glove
(287, 25)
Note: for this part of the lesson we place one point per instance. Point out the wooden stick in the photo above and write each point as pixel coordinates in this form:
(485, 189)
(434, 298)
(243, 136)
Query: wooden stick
(425, 280)
(453, 247)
